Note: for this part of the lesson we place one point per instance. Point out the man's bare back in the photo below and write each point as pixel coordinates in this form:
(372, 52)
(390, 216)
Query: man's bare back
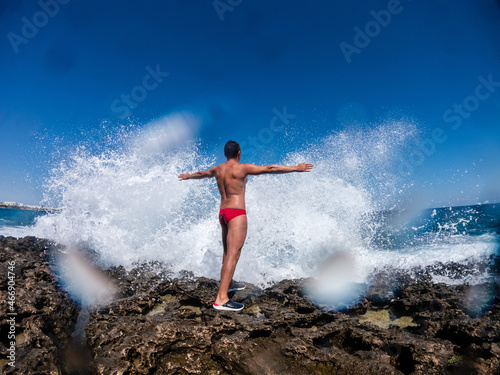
(231, 179)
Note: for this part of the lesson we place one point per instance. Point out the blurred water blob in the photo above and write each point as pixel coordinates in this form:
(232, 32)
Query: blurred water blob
(479, 298)
(166, 134)
(82, 279)
(335, 285)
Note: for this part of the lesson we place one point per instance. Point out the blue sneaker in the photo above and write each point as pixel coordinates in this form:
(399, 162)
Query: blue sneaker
(229, 306)
(236, 286)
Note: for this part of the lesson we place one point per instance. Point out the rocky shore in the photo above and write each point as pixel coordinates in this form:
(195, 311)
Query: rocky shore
(162, 325)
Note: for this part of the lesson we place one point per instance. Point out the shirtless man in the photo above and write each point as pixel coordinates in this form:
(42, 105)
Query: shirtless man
(231, 180)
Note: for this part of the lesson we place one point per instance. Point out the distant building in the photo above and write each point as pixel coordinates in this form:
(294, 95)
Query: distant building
(21, 206)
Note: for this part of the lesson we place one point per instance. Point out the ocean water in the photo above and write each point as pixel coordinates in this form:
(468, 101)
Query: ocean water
(124, 202)
(16, 222)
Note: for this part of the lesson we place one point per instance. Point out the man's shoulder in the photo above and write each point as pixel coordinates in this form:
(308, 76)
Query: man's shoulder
(240, 169)
(236, 165)
(246, 167)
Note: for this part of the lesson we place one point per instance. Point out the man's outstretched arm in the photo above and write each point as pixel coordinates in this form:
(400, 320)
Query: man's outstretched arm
(198, 175)
(278, 169)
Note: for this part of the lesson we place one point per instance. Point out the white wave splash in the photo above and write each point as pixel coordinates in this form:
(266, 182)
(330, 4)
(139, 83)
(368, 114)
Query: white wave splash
(128, 206)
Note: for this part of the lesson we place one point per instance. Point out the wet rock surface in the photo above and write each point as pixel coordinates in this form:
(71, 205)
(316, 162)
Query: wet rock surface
(45, 315)
(160, 325)
(424, 329)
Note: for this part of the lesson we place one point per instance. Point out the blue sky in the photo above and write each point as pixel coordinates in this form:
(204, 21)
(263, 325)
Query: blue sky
(235, 64)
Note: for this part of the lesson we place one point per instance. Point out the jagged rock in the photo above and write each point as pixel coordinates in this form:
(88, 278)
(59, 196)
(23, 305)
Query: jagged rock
(45, 315)
(160, 325)
(173, 329)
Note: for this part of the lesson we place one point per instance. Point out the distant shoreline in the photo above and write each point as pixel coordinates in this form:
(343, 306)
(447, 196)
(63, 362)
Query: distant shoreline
(20, 206)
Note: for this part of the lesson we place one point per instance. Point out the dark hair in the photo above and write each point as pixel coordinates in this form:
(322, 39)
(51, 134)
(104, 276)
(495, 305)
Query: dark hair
(231, 149)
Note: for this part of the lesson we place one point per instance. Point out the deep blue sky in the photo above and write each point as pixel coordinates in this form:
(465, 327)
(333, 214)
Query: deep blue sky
(233, 72)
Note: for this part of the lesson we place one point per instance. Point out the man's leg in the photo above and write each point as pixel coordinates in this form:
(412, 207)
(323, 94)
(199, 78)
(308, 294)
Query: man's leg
(224, 244)
(236, 234)
(224, 240)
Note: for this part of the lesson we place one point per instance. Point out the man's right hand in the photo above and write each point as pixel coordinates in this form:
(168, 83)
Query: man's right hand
(305, 167)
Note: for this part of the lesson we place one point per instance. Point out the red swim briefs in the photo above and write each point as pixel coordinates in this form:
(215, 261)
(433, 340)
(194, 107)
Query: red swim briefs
(228, 214)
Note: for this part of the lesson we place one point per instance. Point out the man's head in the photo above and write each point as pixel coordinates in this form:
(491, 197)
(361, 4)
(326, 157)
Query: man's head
(231, 150)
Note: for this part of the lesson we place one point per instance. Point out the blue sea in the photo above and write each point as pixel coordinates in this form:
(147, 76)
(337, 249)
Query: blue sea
(17, 222)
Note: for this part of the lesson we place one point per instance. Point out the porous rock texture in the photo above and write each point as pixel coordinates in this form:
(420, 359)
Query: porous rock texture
(158, 324)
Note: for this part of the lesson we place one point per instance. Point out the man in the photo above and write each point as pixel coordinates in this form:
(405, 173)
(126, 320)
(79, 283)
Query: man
(231, 179)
